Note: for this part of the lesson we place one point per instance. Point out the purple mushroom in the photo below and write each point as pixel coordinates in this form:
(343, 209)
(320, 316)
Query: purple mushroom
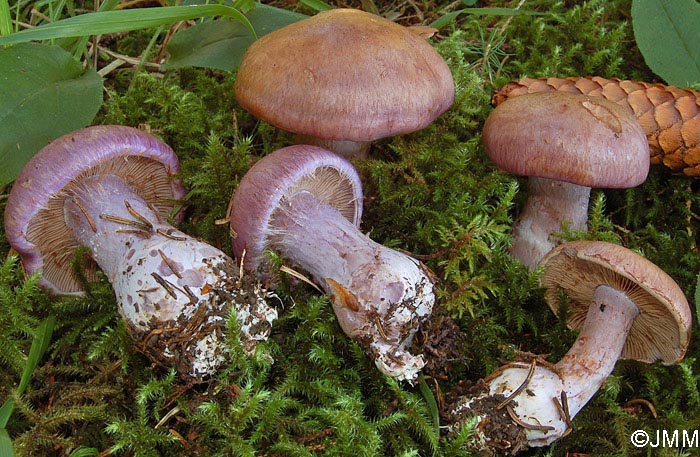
(111, 188)
(625, 307)
(344, 78)
(567, 144)
(306, 203)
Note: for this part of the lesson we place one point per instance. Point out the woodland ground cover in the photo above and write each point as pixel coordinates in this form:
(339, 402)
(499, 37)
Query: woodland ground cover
(433, 193)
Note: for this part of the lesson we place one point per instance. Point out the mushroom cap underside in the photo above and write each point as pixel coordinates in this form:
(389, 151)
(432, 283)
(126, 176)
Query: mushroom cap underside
(575, 138)
(34, 216)
(661, 332)
(344, 74)
(331, 178)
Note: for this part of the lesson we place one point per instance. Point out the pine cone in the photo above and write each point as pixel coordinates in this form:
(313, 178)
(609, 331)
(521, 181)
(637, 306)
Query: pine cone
(670, 116)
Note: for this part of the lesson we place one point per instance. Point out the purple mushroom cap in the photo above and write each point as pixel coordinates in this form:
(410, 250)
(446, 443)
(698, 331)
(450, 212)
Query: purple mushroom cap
(34, 216)
(345, 76)
(259, 194)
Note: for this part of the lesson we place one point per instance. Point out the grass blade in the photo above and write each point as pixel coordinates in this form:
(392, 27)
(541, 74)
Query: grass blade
(104, 22)
(6, 412)
(432, 403)
(6, 448)
(451, 16)
(316, 5)
(5, 18)
(39, 346)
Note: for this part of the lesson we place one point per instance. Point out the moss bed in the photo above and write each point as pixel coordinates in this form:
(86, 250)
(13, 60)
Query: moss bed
(434, 194)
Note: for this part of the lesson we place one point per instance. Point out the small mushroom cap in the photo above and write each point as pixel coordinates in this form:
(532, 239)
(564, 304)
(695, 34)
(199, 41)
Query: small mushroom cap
(328, 176)
(661, 331)
(575, 138)
(345, 74)
(34, 216)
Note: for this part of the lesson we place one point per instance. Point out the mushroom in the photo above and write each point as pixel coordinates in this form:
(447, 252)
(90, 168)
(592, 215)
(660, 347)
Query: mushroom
(669, 115)
(566, 143)
(344, 78)
(305, 203)
(625, 307)
(111, 188)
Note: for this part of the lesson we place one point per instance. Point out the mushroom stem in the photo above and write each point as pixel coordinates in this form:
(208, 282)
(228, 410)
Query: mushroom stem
(543, 399)
(549, 203)
(346, 148)
(592, 358)
(174, 291)
(99, 220)
(379, 295)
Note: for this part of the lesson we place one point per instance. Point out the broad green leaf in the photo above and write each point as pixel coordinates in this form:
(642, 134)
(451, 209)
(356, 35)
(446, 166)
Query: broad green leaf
(221, 44)
(242, 5)
(103, 22)
(44, 93)
(668, 35)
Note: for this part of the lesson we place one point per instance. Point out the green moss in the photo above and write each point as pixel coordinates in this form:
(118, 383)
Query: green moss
(433, 193)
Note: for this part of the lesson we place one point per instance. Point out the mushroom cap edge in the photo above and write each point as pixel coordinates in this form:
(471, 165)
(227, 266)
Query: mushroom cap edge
(661, 332)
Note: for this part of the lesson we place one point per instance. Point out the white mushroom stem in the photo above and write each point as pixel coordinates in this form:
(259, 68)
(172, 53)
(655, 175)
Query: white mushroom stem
(543, 401)
(549, 203)
(597, 349)
(379, 295)
(346, 148)
(175, 292)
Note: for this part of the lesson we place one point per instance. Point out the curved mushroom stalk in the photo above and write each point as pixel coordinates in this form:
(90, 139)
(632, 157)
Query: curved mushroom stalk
(379, 295)
(175, 292)
(632, 310)
(305, 202)
(518, 406)
(541, 400)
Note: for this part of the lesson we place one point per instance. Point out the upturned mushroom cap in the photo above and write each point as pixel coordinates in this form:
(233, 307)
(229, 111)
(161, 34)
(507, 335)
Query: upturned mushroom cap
(575, 138)
(344, 74)
(328, 176)
(661, 332)
(34, 216)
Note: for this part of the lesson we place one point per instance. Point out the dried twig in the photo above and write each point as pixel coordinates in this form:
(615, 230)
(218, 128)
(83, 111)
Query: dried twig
(522, 386)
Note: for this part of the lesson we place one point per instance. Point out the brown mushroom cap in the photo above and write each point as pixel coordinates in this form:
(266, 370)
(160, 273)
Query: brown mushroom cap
(344, 74)
(661, 332)
(575, 138)
(34, 217)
